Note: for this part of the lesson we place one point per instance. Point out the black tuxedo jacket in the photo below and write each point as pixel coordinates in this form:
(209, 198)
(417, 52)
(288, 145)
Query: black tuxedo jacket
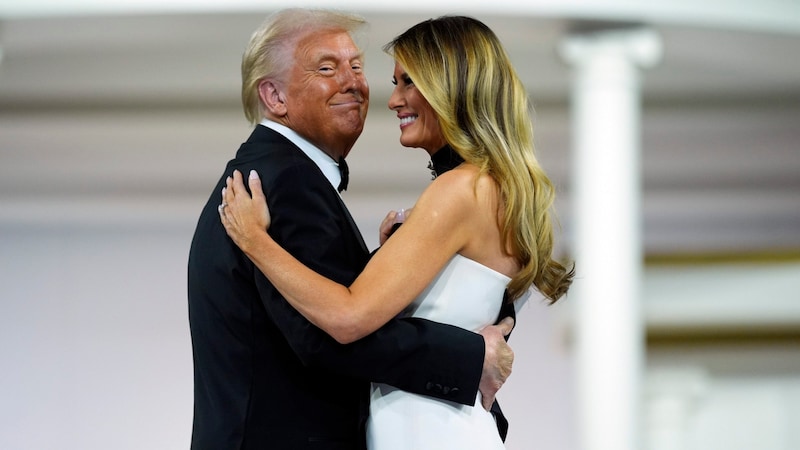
(264, 377)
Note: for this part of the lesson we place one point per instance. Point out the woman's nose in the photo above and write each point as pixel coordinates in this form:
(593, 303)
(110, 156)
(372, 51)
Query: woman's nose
(396, 100)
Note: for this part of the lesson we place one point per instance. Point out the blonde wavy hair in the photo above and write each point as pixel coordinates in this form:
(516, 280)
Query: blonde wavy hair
(270, 52)
(461, 68)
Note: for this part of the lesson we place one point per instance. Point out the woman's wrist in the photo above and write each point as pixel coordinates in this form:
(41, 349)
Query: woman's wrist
(257, 240)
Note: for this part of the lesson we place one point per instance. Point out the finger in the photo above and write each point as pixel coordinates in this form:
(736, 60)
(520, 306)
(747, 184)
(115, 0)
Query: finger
(506, 325)
(386, 225)
(227, 191)
(255, 186)
(389, 217)
(238, 183)
(223, 203)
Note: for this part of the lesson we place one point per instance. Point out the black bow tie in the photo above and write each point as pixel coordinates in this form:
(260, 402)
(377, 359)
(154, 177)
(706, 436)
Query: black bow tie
(345, 173)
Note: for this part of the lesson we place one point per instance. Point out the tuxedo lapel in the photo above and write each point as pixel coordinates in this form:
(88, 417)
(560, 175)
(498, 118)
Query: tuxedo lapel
(262, 133)
(353, 225)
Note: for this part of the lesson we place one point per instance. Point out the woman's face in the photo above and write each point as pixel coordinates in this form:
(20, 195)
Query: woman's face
(419, 126)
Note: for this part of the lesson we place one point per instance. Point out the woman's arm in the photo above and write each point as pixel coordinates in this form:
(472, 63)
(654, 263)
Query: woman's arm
(396, 274)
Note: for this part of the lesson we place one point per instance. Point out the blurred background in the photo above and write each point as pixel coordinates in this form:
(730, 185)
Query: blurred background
(116, 119)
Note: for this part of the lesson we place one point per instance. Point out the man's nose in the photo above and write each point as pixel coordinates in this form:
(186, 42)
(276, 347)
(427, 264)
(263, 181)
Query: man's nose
(351, 80)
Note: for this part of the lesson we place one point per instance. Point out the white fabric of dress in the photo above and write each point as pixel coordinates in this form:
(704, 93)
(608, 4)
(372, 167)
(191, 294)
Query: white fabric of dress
(466, 294)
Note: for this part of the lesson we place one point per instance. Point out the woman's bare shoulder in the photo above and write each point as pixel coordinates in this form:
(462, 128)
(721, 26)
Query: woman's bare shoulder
(459, 193)
(454, 184)
(465, 179)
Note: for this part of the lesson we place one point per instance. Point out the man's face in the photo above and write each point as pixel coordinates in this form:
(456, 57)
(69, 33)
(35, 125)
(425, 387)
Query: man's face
(327, 92)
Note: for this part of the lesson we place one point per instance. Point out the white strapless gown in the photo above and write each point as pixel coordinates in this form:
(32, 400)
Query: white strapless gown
(466, 294)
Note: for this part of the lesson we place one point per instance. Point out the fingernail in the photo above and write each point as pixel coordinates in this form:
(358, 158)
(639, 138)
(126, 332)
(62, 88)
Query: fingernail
(253, 174)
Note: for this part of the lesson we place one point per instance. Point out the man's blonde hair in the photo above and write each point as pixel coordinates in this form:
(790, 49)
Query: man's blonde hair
(270, 52)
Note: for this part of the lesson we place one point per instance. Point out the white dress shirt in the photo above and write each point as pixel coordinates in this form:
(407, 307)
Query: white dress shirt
(326, 164)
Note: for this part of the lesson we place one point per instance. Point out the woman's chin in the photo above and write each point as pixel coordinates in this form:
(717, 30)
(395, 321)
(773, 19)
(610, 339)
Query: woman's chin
(410, 143)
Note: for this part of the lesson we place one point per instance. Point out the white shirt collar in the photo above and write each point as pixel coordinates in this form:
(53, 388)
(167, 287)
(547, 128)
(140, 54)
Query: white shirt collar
(326, 164)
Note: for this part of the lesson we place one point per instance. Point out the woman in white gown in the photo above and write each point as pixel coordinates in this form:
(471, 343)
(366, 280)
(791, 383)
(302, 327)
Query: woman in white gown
(478, 230)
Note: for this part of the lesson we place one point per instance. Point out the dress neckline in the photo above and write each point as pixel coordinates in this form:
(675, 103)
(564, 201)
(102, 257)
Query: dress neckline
(443, 160)
(483, 266)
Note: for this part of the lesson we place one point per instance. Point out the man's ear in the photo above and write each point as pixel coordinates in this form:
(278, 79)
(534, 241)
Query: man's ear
(272, 97)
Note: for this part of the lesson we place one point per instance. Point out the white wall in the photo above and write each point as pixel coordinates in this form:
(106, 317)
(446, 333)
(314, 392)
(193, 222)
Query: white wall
(94, 338)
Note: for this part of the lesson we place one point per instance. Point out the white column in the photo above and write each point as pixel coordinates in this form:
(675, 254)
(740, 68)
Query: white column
(672, 397)
(609, 335)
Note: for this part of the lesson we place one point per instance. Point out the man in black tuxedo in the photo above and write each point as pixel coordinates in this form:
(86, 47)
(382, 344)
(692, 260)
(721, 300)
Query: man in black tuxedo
(264, 377)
